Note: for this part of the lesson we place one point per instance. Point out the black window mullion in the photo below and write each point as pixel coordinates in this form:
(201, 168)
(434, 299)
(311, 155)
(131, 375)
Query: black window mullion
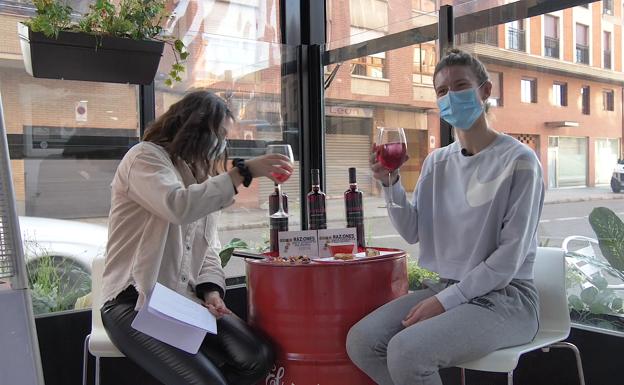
(303, 26)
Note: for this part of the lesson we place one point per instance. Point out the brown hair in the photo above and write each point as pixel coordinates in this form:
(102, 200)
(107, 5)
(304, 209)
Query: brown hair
(456, 57)
(192, 130)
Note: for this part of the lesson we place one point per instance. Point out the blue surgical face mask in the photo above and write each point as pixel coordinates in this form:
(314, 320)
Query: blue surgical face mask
(462, 108)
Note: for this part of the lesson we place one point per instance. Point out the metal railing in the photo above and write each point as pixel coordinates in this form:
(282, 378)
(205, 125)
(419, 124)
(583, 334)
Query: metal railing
(607, 7)
(516, 39)
(551, 47)
(582, 54)
(483, 36)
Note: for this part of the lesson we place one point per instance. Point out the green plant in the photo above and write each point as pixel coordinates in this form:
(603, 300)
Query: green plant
(133, 19)
(609, 230)
(51, 17)
(226, 252)
(236, 243)
(416, 275)
(56, 283)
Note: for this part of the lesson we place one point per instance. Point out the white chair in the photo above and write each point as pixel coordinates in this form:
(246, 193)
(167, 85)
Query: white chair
(97, 342)
(554, 322)
(589, 270)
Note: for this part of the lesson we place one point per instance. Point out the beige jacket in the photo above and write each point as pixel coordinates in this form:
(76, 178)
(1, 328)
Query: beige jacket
(163, 225)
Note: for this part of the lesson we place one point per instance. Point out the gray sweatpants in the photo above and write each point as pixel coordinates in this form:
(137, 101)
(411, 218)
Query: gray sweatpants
(394, 355)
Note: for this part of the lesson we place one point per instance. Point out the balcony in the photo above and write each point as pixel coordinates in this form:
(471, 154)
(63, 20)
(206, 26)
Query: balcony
(582, 54)
(551, 47)
(483, 36)
(516, 39)
(606, 57)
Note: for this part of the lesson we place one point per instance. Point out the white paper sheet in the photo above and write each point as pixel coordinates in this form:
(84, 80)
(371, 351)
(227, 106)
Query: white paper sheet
(174, 319)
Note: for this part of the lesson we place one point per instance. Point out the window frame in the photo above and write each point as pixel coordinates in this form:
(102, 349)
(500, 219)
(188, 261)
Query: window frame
(531, 98)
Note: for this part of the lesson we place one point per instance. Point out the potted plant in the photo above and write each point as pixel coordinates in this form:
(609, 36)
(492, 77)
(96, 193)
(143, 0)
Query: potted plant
(108, 44)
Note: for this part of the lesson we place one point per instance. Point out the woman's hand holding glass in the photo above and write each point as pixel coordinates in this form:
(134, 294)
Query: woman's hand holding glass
(273, 166)
(380, 172)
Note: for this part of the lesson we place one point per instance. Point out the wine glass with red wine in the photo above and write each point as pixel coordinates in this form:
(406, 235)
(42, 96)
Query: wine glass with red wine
(286, 150)
(391, 149)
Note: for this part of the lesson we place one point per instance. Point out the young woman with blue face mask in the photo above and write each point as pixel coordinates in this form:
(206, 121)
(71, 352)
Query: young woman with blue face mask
(474, 213)
(167, 195)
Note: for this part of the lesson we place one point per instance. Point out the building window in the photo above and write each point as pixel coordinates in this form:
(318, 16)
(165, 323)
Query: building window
(560, 94)
(606, 46)
(585, 100)
(424, 63)
(516, 36)
(608, 100)
(496, 96)
(528, 90)
(369, 14)
(607, 7)
(551, 36)
(582, 43)
(424, 5)
(369, 20)
(373, 66)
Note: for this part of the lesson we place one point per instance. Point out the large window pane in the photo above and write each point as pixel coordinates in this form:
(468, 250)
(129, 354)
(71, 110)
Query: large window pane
(356, 106)
(578, 146)
(235, 53)
(66, 139)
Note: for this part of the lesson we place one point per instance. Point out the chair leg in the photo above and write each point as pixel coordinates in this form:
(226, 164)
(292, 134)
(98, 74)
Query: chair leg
(577, 355)
(85, 359)
(510, 378)
(97, 370)
(463, 376)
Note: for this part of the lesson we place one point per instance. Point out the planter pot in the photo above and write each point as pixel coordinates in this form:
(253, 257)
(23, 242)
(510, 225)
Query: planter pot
(80, 56)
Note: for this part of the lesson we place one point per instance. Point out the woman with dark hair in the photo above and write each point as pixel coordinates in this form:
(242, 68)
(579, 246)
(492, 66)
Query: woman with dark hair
(166, 197)
(474, 212)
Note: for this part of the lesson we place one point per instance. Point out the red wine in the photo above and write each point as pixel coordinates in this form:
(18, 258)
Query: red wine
(281, 178)
(277, 224)
(390, 155)
(354, 208)
(317, 218)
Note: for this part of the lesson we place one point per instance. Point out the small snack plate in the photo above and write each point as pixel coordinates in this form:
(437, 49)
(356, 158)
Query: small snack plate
(357, 257)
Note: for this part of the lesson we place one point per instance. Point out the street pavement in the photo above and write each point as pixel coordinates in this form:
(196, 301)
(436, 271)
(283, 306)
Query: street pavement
(565, 213)
(374, 207)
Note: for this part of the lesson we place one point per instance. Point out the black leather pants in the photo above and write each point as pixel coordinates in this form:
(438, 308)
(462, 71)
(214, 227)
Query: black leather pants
(235, 356)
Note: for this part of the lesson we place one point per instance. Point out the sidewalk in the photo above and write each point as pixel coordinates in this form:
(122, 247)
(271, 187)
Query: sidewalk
(374, 207)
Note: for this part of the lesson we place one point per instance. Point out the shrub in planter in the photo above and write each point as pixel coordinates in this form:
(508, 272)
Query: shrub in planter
(416, 275)
(113, 44)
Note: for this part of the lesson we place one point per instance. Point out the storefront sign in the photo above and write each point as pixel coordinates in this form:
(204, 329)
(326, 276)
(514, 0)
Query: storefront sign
(354, 112)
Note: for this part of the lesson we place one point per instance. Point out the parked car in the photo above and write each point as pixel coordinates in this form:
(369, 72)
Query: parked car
(617, 180)
(58, 257)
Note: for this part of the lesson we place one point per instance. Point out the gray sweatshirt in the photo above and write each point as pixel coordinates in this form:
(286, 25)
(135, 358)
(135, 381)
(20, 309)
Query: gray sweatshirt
(475, 217)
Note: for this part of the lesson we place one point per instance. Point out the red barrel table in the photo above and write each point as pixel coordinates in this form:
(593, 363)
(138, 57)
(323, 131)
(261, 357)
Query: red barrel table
(307, 310)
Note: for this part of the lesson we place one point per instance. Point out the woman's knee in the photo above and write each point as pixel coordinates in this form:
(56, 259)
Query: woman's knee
(360, 341)
(264, 359)
(408, 359)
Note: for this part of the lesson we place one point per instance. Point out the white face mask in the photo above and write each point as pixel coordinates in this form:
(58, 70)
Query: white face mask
(221, 148)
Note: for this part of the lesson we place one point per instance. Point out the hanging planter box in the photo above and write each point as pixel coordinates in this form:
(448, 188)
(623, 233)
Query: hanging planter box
(80, 56)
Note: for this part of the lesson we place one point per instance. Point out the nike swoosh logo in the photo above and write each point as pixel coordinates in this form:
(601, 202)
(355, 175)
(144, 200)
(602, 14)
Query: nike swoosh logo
(479, 193)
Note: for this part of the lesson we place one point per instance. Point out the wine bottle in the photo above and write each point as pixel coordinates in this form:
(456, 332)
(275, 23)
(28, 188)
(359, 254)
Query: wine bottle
(317, 218)
(354, 208)
(276, 224)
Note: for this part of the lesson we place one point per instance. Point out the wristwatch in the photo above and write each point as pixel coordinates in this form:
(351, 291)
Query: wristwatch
(243, 170)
